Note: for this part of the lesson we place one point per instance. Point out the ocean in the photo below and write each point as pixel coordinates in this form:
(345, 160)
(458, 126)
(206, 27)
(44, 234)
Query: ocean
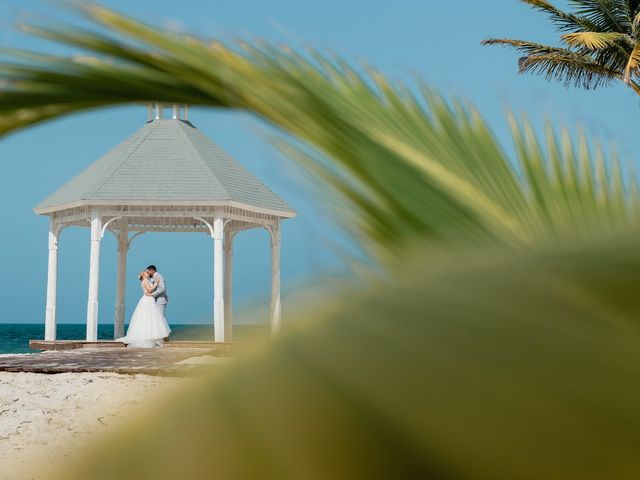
(14, 337)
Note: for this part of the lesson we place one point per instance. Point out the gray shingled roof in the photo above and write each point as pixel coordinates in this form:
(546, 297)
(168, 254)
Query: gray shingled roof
(165, 161)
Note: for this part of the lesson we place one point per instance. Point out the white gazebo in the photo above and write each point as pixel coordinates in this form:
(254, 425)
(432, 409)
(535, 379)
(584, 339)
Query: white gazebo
(166, 177)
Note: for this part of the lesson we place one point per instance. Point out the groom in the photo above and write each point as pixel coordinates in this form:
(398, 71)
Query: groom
(160, 293)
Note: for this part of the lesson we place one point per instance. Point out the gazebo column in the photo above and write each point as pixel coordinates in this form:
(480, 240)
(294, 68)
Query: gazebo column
(218, 280)
(228, 284)
(275, 312)
(52, 282)
(123, 249)
(94, 277)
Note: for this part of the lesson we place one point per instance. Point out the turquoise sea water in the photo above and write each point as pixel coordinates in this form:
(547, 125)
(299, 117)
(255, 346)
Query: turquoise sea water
(14, 337)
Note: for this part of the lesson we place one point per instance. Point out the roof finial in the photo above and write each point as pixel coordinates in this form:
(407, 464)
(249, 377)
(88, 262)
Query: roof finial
(155, 111)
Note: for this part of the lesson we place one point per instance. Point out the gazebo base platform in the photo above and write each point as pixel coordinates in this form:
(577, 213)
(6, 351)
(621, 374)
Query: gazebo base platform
(179, 360)
(75, 344)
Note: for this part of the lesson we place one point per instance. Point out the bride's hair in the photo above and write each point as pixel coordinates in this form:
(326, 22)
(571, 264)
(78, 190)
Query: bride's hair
(141, 276)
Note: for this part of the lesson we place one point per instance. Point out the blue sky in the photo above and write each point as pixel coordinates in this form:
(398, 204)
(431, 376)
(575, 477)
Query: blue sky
(435, 40)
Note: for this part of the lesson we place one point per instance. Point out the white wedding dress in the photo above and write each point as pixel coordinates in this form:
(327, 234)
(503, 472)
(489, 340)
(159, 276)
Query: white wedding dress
(148, 326)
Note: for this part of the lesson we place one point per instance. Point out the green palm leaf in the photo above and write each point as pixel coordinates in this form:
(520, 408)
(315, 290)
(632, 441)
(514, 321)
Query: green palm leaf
(367, 138)
(482, 366)
(608, 15)
(563, 20)
(567, 66)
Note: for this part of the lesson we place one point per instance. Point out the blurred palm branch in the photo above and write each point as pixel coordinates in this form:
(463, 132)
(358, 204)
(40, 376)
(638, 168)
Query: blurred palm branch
(400, 163)
(515, 357)
(487, 366)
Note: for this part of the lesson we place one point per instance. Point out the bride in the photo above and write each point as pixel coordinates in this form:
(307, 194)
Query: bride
(147, 327)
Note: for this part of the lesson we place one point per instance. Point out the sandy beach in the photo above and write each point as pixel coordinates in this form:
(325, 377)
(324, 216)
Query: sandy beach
(46, 418)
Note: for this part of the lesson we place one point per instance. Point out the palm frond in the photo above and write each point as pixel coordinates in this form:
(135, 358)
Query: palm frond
(593, 40)
(563, 20)
(635, 25)
(573, 69)
(412, 165)
(633, 63)
(524, 46)
(482, 366)
(603, 49)
(607, 15)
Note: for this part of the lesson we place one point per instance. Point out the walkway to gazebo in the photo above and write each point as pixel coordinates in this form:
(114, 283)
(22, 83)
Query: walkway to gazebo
(166, 177)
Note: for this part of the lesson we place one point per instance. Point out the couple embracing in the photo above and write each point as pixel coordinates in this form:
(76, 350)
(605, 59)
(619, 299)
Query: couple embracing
(148, 326)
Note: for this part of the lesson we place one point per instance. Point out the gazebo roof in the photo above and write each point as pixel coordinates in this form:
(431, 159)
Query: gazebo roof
(167, 162)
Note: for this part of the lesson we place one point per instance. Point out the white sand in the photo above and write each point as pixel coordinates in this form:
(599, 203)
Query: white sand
(45, 418)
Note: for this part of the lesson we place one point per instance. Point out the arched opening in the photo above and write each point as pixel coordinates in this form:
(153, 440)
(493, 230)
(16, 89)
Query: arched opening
(251, 284)
(185, 261)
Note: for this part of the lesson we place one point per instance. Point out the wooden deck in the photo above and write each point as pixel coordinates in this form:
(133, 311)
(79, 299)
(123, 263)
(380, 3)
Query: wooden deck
(75, 344)
(175, 359)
